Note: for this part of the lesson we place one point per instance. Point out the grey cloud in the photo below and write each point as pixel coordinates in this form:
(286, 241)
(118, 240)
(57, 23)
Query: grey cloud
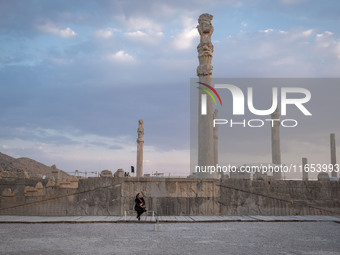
(85, 93)
(102, 110)
(115, 147)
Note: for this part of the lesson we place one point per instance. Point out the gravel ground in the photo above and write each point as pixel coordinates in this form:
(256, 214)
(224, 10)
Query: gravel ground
(175, 238)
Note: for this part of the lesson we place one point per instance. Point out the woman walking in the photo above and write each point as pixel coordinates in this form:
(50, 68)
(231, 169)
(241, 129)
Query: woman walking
(140, 205)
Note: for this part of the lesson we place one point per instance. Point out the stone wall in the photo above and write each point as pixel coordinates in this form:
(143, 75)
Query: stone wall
(269, 197)
(173, 196)
(168, 196)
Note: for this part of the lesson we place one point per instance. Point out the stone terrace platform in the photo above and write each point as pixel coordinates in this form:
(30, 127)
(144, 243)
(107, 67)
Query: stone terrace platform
(163, 219)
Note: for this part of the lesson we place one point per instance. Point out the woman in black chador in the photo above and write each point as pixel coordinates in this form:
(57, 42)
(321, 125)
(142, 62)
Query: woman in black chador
(140, 205)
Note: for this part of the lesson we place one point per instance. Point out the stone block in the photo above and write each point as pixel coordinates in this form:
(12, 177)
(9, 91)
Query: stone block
(323, 177)
(9, 193)
(119, 173)
(38, 190)
(70, 182)
(106, 173)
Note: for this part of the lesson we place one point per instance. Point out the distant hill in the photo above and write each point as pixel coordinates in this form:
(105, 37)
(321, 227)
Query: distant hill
(24, 167)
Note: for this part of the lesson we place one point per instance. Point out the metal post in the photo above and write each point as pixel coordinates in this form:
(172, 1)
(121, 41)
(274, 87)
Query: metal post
(333, 154)
(158, 227)
(304, 172)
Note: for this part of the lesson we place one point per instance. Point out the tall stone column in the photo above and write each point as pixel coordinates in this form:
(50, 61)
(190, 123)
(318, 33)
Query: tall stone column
(204, 72)
(304, 172)
(140, 142)
(276, 151)
(333, 154)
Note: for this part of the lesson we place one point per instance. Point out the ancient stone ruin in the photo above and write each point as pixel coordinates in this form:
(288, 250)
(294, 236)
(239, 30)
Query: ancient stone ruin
(140, 142)
(113, 193)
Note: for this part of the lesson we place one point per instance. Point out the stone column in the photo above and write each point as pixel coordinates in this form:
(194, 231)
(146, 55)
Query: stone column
(204, 72)
(276, 151)
(215, 131)
(304, 172)
(140, 142)
(333, 154)
(56, 174)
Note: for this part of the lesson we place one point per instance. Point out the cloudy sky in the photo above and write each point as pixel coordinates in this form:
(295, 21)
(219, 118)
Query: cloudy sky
(75, 76)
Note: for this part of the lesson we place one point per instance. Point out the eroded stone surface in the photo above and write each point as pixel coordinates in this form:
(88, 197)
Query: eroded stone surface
(171, 196)
(140, 142)
(106, 173)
